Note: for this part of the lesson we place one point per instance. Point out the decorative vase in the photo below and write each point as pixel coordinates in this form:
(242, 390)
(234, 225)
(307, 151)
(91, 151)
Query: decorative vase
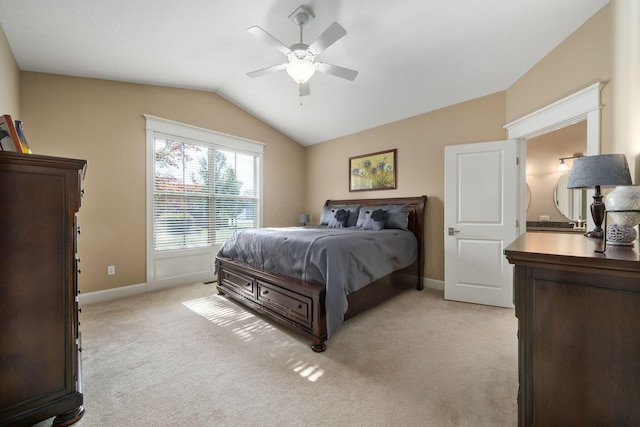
(624, 197)
(619, 235)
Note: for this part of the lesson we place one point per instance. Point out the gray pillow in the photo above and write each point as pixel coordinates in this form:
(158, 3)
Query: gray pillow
(397, 216)
(351, 220)
(374, 219)
(339, 218)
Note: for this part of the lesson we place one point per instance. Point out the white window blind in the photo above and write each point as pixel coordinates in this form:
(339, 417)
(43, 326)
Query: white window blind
(203, 191)
(235, 193)
(201, 194)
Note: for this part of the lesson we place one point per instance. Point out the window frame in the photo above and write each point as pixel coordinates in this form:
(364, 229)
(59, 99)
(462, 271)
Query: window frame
(167, 268)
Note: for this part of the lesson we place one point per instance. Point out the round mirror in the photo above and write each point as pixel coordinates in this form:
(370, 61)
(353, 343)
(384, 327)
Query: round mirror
(571, 203)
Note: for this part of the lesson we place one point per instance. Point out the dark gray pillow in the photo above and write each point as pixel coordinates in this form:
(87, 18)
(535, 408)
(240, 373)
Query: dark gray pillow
(339, 218)
(351, 220)
(374, 219)
(397, 216)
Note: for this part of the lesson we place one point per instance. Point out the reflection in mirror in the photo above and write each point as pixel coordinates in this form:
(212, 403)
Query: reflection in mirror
(571, 203)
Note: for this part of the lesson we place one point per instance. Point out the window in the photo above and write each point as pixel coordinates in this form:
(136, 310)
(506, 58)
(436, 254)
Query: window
(201, 194)
(201, 187)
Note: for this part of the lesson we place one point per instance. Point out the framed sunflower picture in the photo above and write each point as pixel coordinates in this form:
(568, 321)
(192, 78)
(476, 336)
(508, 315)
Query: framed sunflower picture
(375, 171)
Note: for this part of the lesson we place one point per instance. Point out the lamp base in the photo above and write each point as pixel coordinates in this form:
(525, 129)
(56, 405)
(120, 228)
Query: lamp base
(595, 234)
(597, 213)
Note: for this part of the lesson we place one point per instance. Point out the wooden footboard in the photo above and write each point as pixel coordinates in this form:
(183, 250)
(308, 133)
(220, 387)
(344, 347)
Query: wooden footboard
(300, 305)
(295, 304)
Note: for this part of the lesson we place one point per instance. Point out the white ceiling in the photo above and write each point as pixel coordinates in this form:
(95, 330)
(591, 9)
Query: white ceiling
(413, 56)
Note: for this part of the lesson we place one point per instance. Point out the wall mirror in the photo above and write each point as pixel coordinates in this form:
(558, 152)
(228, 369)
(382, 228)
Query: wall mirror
(572, 204)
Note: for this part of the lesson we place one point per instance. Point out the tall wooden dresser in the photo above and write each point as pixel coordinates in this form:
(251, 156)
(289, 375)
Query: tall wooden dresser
(579, 331)
(40, 366)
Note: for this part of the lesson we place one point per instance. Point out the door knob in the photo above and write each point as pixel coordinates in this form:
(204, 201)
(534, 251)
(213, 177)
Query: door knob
(453, 231)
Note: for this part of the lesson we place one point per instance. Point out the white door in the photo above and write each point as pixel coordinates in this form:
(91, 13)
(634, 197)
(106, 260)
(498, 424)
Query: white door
(480, 214)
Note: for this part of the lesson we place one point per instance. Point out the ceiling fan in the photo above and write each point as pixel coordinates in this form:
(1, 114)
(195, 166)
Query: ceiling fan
(302, 65)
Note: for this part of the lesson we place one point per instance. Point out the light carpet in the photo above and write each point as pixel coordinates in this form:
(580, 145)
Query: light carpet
(188, 357)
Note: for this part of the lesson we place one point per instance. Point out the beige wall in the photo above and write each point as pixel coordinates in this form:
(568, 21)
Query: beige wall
(101, 121)
(626, 82)
(9, 80)
(581, 60)
(420, 142)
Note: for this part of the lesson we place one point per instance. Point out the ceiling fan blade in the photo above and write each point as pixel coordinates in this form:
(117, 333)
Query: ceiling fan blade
(267, 70)
(268, 38)
(304, 89)
(331, 35)
(344, 73)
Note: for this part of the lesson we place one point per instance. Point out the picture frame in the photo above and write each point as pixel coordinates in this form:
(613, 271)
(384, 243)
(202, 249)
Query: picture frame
(8, 136)
(373, 171)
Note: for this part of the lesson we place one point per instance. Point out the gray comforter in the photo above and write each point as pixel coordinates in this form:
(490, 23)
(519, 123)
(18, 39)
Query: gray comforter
(342, 259)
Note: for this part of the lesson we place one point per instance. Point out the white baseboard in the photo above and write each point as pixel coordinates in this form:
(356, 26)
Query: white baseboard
(433, 284)
(111, 294)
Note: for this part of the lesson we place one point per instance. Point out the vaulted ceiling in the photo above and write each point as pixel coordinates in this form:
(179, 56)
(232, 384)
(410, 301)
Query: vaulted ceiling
(412, 56)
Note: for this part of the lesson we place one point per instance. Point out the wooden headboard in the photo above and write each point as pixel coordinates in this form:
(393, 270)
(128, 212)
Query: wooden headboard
(416, 214)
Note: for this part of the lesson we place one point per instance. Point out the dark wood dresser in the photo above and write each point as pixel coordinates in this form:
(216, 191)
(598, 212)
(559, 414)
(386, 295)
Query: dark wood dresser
(40, 366)
(579, 331)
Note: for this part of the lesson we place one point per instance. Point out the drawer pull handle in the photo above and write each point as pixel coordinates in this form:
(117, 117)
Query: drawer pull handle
(247, 285)
(265, 292)
(299, 306)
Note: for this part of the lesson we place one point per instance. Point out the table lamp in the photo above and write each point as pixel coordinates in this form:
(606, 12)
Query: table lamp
(604, 170)
(304, 219)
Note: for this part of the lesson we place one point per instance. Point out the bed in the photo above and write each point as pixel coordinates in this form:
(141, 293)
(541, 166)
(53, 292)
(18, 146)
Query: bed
(328, 273)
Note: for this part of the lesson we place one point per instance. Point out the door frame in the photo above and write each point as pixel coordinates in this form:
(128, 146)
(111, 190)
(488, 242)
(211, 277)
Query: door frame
(582, 105)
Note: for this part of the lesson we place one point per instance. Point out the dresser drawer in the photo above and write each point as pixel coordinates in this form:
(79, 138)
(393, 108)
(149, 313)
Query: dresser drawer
(239, 283)
(294, 306)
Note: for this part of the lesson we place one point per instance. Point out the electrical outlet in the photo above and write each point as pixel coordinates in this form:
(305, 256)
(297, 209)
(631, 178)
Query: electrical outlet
(111, 270)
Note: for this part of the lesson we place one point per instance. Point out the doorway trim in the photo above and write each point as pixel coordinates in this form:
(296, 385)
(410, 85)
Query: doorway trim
(582, 105)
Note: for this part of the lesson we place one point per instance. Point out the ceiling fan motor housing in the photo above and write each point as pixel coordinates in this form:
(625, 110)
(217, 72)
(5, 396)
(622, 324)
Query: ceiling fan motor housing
(299, 50)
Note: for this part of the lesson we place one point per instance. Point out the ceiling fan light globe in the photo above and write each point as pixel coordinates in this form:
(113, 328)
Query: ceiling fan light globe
(300, 70)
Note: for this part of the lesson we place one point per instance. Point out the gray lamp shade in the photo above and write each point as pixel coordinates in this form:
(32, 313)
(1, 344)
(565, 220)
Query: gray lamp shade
(605, 170)
(304, 219)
